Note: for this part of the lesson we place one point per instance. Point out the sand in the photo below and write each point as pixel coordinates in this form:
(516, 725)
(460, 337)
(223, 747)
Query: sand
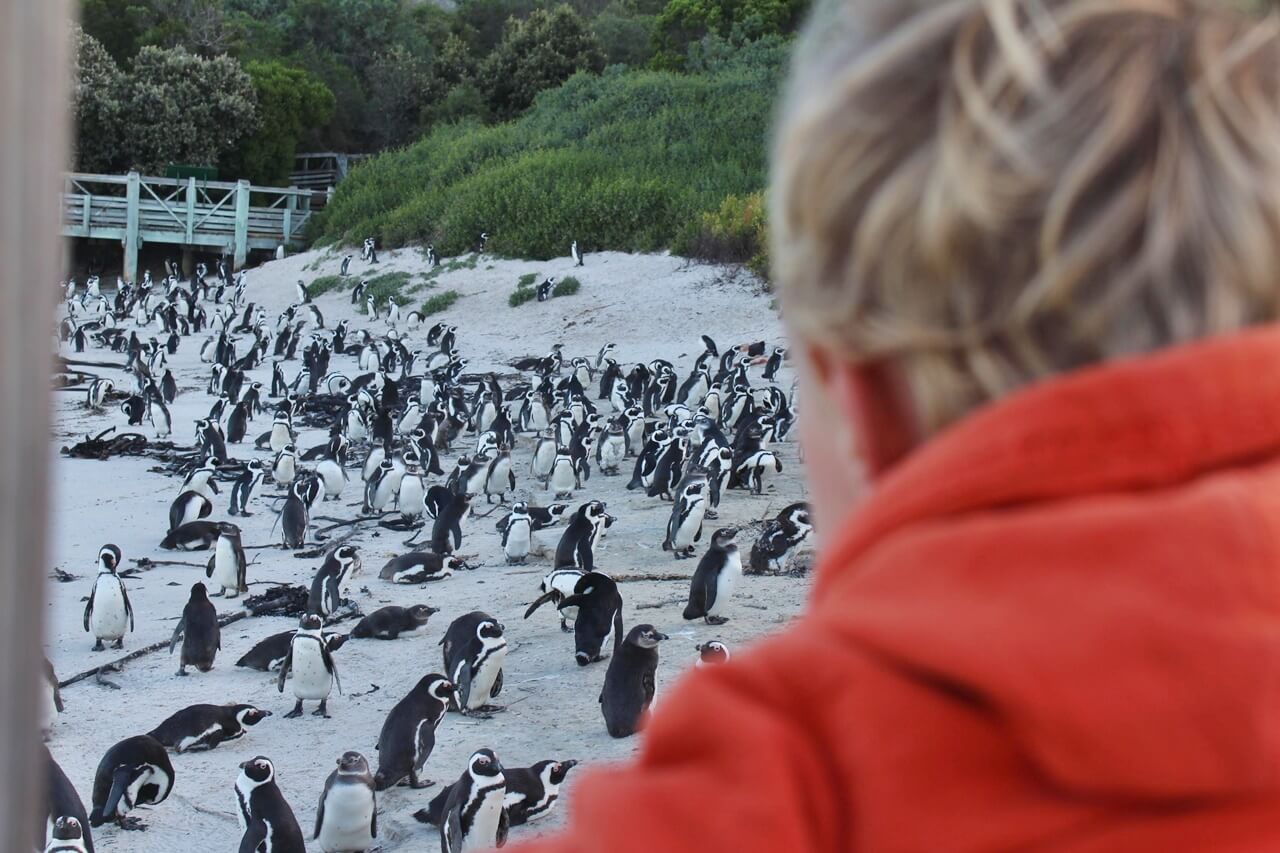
(651, 306)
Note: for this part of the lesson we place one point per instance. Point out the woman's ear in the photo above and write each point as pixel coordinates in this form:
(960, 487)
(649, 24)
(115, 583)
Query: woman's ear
(872, 398)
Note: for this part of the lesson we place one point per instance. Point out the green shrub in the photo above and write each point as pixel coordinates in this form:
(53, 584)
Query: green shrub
(622, 161)
(737, 233)
(566, 286)
(440, 302)
(521, 295)
(326, 283)
(527, 279)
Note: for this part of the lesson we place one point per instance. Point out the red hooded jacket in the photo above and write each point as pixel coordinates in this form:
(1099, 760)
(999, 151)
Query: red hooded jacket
(1054, 627)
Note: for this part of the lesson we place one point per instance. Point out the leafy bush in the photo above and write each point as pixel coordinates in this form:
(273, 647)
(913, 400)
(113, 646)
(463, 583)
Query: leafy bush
(440, 302)
(527, 279)
(326, 283)
(736, 233)
(623, 161)
(566, 286)
(521, 295)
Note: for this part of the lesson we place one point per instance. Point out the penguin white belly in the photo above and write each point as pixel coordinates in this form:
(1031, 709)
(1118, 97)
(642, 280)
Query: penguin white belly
(519, 540)
(331, 476)
(411, 496)
(725, 583)
(311, 680)
(348, 816)
(484, 828)
(225, 567)
(280, 437)
(563, 480)
(109, 619)
(482, 681)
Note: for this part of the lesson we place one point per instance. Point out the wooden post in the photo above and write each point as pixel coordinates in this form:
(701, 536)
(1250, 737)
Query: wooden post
(33, 152)
(289, 207)
(191, 210)
(242, 224)
(133, 194)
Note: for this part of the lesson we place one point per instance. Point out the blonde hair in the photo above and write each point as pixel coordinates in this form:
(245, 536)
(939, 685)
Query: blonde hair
(991, 192)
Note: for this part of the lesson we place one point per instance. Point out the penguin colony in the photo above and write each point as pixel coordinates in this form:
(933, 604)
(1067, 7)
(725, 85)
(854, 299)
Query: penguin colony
(437, 458)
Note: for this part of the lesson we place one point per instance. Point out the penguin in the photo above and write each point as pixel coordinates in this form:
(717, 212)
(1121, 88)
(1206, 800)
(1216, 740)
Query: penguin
(388, 623)
(108, 615)
(557, 586)
(629, 683)
(780, 538)
(267, 823)
(419, 567)
(347, 817)
(62, 801)
(713, 581)
(446, 533)
(474, 651)
(314, 673)
(340, 565)
(753, 469)
(517, 534)
(67, 835)
(409, 733)
(577, 543)
(474, 817)
(268, 654)
(188, 507)
(134, 772)
(51, 704)
(295, 518)
(599, 616)
(711, 653)
(564, 475)
(202, 727)
(499, 478)
(684, 528)
(244, 487)
(198, 629)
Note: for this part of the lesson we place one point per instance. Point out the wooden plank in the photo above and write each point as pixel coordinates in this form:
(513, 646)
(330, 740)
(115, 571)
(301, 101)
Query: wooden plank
(33, 136)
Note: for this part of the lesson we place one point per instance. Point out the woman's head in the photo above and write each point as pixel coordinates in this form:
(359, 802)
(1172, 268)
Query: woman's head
(973, 195)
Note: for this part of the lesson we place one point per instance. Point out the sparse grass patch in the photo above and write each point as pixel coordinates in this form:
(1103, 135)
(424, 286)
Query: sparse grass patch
(521, 295)
(440, 302)
(566, 286)
(326, 283)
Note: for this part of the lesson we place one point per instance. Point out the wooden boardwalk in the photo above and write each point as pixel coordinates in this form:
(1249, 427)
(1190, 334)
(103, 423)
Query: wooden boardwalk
(228, 218)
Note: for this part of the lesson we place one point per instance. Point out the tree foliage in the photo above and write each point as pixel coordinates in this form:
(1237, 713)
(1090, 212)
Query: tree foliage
(290, 101)
(537, 53)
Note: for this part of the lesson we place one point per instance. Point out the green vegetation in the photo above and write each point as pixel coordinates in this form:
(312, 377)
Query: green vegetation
(440, 302)
(527, 279)
(566, 286)
(625, 160)
(521, 295)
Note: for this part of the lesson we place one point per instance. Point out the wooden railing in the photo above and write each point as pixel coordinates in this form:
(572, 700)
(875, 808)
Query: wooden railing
(232, 218)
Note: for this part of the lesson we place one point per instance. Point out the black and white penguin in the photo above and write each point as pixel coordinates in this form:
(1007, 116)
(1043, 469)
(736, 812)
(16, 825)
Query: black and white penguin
(409, 733)
(61, 801)
(684, 527)
(347, 817)
(711, 653)
(388, 623)
(201, 727)
(557, 586)
(474, 816)
(108, 615)
(717, 574)
(314, 673)
(780, 538)
(328, 586)
(198, 629)
(419, 567)
(598, 621)
(135, 772)
(517, 534)
(187, 507)
(267, 823)
(270, 653)
(474, 650)
(245, 486)
(227, 568)
(629, 683)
